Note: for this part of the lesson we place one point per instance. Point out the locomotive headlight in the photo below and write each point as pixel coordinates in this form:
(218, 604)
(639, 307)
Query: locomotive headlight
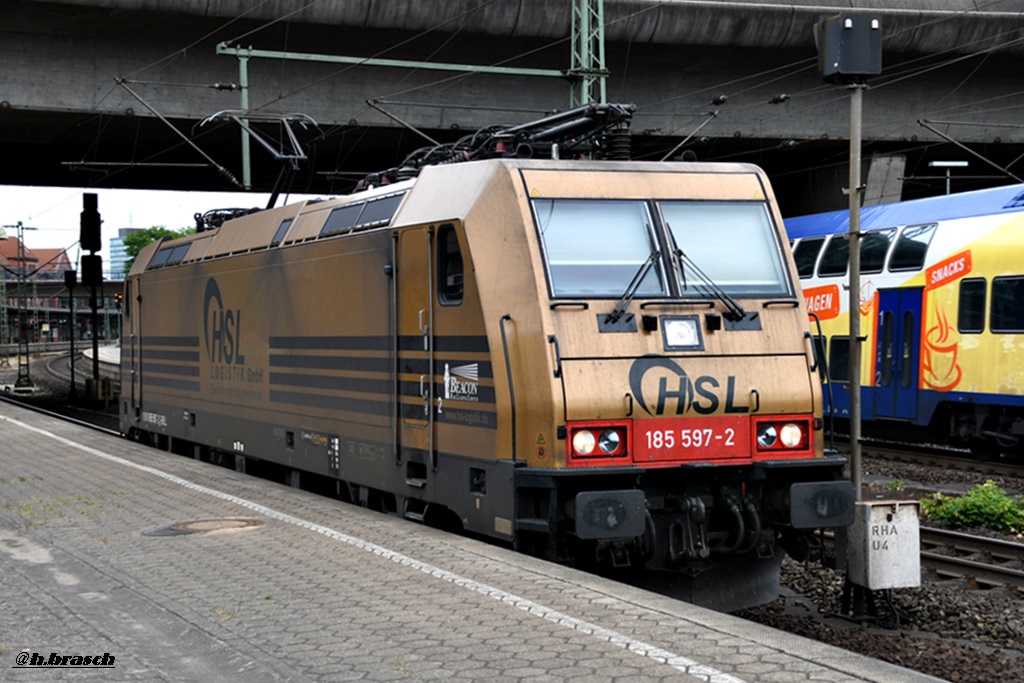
(583, 442)
(791, 435)
(681, 333)
(767, 435)
(609, 441)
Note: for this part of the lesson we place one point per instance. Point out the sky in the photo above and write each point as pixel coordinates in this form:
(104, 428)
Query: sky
(55, 212)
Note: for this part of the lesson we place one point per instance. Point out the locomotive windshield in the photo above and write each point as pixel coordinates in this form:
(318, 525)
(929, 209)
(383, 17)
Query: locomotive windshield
(732, 242)
(595, 247)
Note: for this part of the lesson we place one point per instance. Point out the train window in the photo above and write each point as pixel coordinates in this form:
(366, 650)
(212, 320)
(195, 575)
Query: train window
(874, 246)
(281, 231)
(342, 219)
(734, 243)
(912, 247)
(160, 258)
(836, 257)
(177, 254)
(839, 359)
(379, 211)
(1007, 314)
(806, 254)
(887, 351)
(449, 267)
(971, 315)
(594, 248)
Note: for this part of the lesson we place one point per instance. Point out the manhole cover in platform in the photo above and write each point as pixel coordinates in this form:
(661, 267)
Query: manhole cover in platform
(206, 526)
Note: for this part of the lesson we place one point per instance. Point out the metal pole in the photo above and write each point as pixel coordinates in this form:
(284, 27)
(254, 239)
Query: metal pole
(95, 319)
(71, 308)
(243, 82)
(856, 105)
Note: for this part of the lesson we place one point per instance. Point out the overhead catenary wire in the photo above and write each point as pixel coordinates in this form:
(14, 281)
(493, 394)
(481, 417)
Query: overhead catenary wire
(978, 7)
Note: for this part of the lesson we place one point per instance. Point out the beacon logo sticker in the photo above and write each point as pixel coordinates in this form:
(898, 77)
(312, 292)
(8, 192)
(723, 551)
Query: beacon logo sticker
(677, 393)
(461, 382)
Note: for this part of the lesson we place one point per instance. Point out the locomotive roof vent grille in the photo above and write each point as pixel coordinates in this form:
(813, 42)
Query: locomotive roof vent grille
(361, 215)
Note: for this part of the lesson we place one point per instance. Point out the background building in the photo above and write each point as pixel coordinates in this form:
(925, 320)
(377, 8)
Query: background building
(118, 256)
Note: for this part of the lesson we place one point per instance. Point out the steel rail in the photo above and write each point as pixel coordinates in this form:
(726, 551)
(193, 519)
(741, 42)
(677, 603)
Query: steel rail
(985, 561)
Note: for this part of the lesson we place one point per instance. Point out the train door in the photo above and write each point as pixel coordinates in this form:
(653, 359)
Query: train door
(898, 354)
(415, 353)
(131, 337)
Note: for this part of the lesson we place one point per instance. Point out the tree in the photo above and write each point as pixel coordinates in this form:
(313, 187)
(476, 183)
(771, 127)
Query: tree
(135, 241)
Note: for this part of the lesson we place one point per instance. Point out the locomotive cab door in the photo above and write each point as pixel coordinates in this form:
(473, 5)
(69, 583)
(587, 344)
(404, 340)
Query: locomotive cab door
(414, 353)
(131, 337)
(898, 355)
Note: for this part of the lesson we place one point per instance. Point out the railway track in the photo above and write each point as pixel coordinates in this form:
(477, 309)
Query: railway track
(938, 456)
(985, 562)
(58, 367)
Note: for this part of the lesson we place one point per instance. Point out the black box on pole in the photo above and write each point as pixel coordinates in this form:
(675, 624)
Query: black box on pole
(89, 237)
(92, 270)
(849, 47)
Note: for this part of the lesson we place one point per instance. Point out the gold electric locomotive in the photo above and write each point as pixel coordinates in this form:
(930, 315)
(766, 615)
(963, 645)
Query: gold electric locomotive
(598, 362)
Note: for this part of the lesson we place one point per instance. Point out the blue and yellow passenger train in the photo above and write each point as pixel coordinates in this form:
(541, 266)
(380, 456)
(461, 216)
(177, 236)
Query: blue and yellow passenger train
(942, 314)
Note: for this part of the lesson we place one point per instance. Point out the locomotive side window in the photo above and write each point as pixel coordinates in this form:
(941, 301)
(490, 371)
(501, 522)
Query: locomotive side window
(874, 246)
(594, 248)
(912, 247)
(971, 316)
(1007, 313)
(449, 267)
(281, 230)
(839, 359)
(836, 257)
(734, 243)
(806, 254)
(342, 219)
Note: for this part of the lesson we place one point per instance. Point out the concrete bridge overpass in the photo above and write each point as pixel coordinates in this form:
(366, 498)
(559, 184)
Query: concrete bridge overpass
(65, 120)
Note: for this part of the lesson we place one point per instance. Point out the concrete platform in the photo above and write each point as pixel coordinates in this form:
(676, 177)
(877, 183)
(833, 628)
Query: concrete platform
(279, 584)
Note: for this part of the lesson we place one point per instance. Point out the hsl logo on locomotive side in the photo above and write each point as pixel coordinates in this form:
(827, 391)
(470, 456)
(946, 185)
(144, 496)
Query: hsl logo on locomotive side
(223, 337)
(702, 395)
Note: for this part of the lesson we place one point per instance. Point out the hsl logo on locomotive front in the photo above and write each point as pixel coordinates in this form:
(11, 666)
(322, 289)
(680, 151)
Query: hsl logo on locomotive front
(222, 334)
(702, 395)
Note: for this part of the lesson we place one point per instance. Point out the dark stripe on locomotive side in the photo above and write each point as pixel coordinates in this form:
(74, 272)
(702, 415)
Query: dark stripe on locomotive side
(332, 383)
(148, 340)
(163, 368)
(349, 363)
(365, 343)
(469, 344)
(473, 344)
(160, 354)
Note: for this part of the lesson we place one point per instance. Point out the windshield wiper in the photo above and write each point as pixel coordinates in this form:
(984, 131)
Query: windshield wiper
(709, 287)
(634, 285)
(735, 311)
